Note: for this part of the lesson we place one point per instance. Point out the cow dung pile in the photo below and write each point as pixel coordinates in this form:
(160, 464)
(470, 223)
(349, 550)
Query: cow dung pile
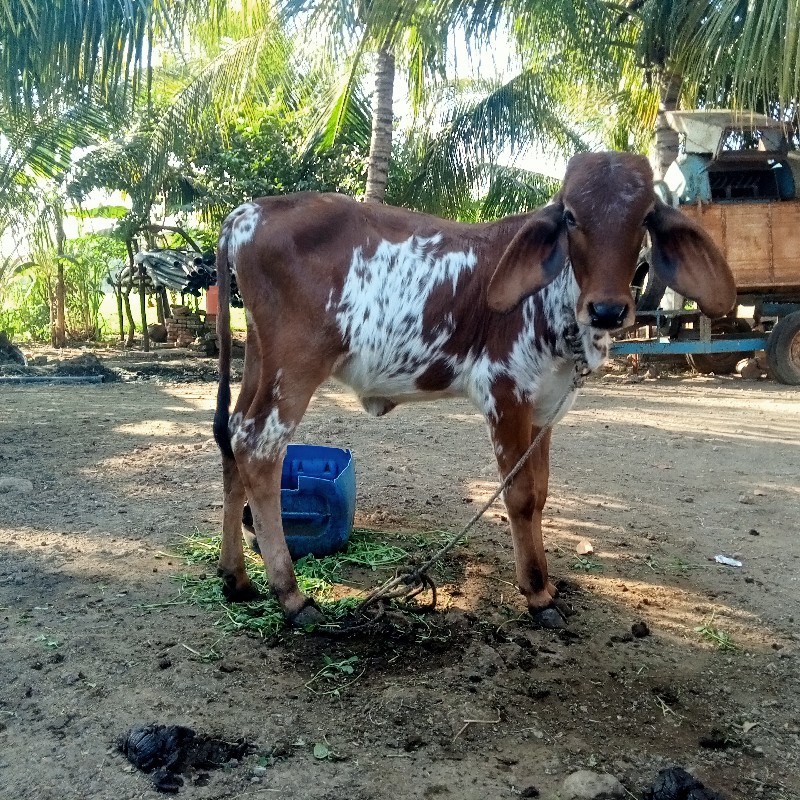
(172, 752)
(675, 783)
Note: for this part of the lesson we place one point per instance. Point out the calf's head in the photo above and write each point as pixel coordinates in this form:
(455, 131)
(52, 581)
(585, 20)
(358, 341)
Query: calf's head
(597, 222)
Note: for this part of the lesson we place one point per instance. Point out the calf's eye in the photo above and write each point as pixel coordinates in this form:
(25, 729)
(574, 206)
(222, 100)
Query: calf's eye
(569, 218)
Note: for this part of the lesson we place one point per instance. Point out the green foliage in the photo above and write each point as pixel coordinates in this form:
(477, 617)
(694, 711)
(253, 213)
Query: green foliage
(336, 675)
(586, 564)
(87, 265)
(229, 118)
(67, 46)
(24, 306)
(26, 298)
(267, 157)
(718, 637)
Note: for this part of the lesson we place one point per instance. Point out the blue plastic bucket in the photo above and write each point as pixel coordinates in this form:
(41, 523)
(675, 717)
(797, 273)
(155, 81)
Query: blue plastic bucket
(318, 500)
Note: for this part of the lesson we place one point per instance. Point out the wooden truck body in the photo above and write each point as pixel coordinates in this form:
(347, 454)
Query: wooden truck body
(738, 178)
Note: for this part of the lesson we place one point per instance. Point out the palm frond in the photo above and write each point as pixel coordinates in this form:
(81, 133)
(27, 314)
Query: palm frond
(345, 117)
(245, 71)
(479, 131)
(513, 191)
(749, 52)
(64, 46)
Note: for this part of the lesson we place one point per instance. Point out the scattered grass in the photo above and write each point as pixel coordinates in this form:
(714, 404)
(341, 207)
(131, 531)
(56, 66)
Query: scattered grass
(716, 636)
(322, 751)
(315, 577)
(676, 566)
(337, 674)
(435, 539)
(679, 566)
(586, 564)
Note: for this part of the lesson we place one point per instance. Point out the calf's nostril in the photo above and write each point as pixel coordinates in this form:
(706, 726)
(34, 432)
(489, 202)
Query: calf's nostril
(607, 315)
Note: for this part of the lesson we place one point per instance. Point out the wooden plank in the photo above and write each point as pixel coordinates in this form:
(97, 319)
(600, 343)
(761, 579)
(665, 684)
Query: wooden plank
(761, 241)
(786, 244)
(749, 244)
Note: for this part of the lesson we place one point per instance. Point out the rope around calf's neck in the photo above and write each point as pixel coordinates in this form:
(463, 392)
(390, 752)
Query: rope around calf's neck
(416, 580)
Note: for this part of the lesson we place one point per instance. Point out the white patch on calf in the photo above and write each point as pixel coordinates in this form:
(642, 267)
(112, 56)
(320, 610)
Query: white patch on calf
(480, 374)
(275, 435)
(379, 315)
(270, 442)
(541, 371)
(554, 391)
(596, 346)
(533, 365)
(380, 312)
(241, 224)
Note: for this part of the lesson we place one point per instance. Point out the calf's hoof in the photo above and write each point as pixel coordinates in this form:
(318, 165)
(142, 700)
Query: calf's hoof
(549, 618)
(238, 591)
(308, 614)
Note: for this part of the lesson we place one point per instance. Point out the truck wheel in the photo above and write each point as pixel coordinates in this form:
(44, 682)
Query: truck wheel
(721, 363)
(650, 288)
(783, 350)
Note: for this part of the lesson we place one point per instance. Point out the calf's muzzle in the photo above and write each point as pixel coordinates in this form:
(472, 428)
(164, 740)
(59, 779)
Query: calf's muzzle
(609, 316)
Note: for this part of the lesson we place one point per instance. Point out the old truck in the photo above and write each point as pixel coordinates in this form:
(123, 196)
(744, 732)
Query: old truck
(739, 179)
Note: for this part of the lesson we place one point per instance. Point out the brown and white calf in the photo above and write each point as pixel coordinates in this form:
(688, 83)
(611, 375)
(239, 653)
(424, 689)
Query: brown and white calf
(403, 306)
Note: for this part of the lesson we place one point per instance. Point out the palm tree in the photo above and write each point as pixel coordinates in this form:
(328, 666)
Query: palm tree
(637, 60)
(718, 52)
(380, 149)
(393, 34)
(63, 47)
(562, 41)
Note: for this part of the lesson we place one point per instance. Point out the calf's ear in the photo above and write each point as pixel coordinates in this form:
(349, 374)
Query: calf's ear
(532, 260)
(686, 259)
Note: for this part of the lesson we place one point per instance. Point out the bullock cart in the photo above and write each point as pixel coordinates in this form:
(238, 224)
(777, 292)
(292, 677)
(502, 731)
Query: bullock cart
(738, 179)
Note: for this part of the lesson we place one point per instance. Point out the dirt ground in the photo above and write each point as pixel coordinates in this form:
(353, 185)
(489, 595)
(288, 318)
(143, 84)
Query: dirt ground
(470, 702)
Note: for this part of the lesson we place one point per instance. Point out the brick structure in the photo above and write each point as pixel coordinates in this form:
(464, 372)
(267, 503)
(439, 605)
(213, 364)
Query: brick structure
(183, 327)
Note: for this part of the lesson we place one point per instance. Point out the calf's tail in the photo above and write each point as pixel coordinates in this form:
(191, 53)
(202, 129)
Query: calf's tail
(222, 413)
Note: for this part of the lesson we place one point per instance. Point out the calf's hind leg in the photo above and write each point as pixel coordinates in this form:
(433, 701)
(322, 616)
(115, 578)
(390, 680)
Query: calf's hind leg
(259, 439)
(236, 584)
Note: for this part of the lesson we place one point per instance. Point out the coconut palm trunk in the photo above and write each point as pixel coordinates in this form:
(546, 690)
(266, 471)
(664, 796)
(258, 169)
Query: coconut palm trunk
(665, 147)
(380, 149)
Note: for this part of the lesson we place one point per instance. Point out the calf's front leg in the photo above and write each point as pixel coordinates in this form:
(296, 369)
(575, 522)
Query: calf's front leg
(512, 434)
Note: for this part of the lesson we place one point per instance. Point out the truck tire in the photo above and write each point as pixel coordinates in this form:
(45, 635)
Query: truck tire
(651, 291)
(721, 363)
(783, 350)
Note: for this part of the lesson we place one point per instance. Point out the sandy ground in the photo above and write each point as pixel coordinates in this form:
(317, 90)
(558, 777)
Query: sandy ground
(470, 702)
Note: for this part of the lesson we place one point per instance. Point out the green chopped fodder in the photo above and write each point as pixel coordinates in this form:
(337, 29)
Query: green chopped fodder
(315, 577)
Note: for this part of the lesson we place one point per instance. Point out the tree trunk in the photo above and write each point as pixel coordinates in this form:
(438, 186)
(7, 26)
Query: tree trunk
(51, 303)
(126, 297)
(165, 304)
(118, 293)
(143, 308)
(380, 148)
(59, 329)
(665, 147)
